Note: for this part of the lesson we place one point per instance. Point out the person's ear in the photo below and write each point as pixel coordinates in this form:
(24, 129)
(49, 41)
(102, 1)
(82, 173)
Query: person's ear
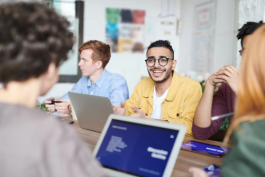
(98, 64)
(174, 64)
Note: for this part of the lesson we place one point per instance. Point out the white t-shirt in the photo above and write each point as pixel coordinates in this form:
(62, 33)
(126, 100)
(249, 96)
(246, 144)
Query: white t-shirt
(156, 114)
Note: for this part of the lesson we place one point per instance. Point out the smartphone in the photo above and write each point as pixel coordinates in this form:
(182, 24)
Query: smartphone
(212, 170)
(203, 148)
(53, 102)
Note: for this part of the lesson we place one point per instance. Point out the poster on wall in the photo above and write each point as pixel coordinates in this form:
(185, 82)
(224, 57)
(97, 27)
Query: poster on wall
(138, 31)
(203, 37)
(112, 19)
(125, 30)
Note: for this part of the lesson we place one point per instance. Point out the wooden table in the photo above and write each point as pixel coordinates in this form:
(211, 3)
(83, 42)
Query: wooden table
(185, 159)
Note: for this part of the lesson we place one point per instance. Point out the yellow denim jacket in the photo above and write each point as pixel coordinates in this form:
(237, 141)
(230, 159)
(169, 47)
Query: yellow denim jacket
(178, 107)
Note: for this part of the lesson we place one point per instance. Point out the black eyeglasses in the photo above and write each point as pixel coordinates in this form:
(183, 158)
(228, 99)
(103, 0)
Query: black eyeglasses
(162, 61)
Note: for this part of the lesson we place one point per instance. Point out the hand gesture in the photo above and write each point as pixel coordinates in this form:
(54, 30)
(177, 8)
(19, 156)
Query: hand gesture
(138, 113)
(230, 75)
(119, 110)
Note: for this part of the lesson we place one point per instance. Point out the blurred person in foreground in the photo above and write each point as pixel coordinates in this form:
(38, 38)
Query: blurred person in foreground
(34, 41)
(223, 100)
(247, 129)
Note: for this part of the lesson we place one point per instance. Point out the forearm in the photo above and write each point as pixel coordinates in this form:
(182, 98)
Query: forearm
(203, 113)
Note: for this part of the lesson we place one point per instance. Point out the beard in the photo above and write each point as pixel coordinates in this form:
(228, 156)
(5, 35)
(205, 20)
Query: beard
(168, 72)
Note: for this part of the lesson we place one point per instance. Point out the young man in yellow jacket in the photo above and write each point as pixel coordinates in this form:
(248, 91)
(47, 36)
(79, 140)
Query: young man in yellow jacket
(164, 96)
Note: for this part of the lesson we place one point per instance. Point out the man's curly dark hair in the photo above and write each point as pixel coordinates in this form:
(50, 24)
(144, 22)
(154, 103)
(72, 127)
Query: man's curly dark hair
(32, 35)
(247, 29)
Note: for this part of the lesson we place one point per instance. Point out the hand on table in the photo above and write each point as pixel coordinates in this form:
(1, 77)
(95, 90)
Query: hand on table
(119, 110)
(230, 75)
(197, 172)
(51, 107)
(62, 107)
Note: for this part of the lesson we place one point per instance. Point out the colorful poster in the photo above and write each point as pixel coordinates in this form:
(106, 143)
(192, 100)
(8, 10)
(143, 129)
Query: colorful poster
(125, 30)
(112, 29)
(203, 40)
(125, 46)
(112, 35)
(138, 31)
(112, 15)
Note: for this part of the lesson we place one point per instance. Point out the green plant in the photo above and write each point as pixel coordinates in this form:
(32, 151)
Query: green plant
(202, 83)
(225, 124)
(43, 107)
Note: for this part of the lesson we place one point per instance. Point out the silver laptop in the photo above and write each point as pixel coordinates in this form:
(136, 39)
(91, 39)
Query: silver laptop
(91, 111)
(138, 147)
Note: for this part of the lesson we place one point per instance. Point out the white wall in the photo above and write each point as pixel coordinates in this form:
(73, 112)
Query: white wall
(249, 11)
(130, 66)
(225, 34)
(57, 91)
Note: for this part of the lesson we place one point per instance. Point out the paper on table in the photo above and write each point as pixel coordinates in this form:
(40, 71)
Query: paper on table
(73, 114)
(58, 114)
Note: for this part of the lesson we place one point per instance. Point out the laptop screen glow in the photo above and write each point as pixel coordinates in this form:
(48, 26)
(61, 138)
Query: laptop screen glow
(136, 149)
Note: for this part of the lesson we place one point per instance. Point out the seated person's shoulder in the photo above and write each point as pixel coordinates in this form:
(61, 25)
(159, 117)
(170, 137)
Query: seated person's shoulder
(39, 122)
(189, 82)
(116, 76)
(251, 129)
(53, 124)
(39, 127)
(145, 83)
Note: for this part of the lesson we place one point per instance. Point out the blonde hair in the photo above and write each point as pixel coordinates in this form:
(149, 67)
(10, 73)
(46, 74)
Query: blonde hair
(250, 101)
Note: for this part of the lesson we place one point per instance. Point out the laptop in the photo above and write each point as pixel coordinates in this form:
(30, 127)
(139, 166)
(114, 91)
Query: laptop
(138, 147)
(91, 111)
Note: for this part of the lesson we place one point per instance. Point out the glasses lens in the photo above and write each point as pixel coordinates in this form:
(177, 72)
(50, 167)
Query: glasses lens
(163, 61)
(150, 62)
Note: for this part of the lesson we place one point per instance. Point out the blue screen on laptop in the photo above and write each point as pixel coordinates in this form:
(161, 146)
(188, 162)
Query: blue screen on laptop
(136, 149)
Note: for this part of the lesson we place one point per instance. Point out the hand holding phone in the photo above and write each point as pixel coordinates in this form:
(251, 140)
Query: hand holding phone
(212, 170)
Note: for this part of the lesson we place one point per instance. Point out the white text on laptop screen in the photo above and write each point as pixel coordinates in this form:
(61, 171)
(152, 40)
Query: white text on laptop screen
(136, 149)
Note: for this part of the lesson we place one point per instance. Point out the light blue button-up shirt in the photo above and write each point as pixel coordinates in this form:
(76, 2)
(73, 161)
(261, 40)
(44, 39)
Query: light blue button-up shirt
(110, 85)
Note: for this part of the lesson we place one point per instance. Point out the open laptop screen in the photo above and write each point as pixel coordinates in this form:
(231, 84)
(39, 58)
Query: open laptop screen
(136, 149)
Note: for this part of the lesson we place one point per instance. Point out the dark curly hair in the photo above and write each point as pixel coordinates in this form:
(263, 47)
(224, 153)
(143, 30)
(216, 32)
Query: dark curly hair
(161, 43)
(32, 35)
(247, 29)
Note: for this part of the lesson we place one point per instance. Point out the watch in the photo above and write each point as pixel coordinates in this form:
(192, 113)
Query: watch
(68, 107)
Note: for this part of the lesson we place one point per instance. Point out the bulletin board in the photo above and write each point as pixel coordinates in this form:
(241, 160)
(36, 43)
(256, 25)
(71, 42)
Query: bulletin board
(203, 37)
(125, 30)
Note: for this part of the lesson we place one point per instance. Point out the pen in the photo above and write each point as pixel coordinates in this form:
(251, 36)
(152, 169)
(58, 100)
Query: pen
(222, 116)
